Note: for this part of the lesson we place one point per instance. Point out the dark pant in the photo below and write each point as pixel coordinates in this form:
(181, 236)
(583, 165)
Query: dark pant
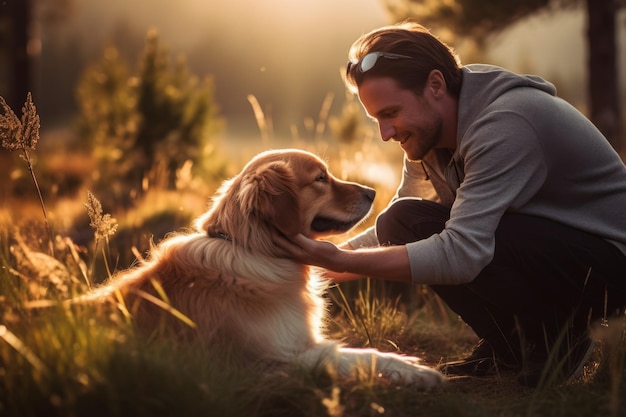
(545, 279)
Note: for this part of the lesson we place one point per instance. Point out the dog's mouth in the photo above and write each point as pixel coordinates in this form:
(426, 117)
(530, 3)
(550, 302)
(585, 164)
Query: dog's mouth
(328, 225)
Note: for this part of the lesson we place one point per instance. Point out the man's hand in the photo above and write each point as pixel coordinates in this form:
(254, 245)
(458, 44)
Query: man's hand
(385, 262)
(313, 252)
(307, 251)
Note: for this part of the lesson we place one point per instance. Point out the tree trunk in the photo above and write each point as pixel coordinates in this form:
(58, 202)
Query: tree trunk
(605, 109)
(20, 70)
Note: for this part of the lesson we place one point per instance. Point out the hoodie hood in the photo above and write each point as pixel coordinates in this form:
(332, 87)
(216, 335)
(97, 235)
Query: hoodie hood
(482, 84)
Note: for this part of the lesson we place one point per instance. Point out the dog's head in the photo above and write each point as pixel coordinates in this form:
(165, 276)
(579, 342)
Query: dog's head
(290, 190)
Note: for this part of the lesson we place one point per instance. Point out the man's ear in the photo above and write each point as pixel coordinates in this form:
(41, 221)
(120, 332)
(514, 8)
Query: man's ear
(436, 83)
(270, 192)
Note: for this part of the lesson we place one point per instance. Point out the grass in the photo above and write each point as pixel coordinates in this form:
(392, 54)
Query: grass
(80, 361)
(83, 361)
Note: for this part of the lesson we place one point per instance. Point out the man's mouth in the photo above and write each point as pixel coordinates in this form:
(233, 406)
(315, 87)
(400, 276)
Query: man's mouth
(403, 140)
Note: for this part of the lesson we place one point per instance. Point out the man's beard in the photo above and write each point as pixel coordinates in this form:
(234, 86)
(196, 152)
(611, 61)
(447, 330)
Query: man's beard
(430, 139)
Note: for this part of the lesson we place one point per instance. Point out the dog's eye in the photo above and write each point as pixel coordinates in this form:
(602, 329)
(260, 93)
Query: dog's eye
(323, 177)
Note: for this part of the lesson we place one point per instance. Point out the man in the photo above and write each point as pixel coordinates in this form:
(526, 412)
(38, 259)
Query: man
(522, 225)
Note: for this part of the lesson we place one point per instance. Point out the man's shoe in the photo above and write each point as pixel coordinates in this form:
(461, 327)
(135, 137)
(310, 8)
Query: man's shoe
(482, 361)
(558, 370)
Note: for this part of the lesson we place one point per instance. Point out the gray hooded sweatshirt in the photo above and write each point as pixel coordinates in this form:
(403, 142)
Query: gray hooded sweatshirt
(520, 149)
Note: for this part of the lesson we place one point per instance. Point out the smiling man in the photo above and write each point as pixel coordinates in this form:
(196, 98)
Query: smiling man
(511, 205)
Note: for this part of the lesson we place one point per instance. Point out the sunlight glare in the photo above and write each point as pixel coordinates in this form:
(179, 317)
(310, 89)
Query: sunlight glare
(378, 173)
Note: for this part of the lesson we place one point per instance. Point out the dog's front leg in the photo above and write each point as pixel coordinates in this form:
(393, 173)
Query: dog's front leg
(397, 369)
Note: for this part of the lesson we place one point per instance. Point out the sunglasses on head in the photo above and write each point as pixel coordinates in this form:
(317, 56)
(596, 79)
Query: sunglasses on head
(368, 61)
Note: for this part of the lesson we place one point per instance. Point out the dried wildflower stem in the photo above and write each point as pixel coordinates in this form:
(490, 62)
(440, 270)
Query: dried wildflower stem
(22, 135)
(105, 258)
(104, 227)
(41, 202)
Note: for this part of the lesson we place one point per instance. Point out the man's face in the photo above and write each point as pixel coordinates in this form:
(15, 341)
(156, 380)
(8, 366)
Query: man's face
(402, 116)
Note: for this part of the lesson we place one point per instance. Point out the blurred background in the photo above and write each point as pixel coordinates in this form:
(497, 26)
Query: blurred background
(288, 54)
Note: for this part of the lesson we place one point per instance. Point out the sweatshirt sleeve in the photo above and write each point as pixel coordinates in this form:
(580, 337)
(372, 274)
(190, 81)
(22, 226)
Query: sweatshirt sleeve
(504, 166)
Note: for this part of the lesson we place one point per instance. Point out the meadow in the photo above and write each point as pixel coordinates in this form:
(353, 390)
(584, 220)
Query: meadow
(80, 360)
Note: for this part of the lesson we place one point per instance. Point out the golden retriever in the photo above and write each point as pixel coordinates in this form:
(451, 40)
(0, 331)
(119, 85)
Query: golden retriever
(227, 284)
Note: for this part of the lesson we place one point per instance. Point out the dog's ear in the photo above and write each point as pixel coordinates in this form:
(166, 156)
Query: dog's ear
(270, 192)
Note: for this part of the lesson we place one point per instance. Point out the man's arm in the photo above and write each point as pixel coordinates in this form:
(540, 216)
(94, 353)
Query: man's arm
(384, 262)
(339, 277)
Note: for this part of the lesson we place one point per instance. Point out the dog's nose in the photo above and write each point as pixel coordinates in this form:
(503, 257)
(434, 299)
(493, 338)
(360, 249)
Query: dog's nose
(370, 193)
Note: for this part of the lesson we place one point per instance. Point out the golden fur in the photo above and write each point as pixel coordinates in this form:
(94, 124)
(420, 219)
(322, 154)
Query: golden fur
(230, 280)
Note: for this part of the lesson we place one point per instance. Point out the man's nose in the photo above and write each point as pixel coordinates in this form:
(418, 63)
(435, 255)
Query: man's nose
(387, 131)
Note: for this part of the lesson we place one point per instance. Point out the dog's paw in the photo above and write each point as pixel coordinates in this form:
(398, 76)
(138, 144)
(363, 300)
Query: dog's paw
(408, 373)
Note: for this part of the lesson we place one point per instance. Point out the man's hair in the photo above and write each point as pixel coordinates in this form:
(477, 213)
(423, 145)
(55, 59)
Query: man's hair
(426, 53)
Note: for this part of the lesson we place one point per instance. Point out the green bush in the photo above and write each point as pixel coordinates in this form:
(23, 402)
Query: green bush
(142, 127)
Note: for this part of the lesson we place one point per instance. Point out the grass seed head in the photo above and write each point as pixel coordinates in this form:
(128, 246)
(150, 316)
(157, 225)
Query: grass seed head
(103, 224)
(19, 135)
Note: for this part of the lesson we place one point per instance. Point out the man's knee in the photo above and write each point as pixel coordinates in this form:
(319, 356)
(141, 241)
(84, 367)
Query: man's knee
(410, 219)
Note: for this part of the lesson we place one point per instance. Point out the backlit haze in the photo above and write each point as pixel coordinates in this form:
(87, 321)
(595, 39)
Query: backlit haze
(286, 53)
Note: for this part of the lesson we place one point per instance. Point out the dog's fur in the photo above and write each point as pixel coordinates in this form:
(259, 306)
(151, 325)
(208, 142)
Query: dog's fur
(232, 281)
